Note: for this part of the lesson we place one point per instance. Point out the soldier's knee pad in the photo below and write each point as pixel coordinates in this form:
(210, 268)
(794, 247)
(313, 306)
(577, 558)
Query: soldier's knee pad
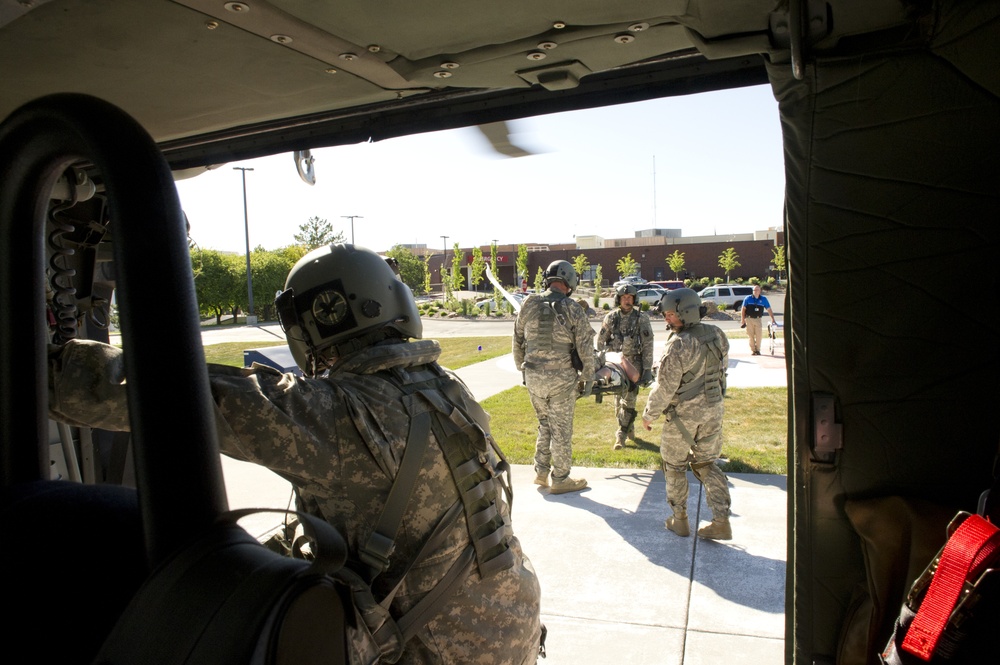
(702, 470)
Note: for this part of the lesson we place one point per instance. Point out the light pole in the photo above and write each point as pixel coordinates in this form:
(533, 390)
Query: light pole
(352, 217)
(251, 317)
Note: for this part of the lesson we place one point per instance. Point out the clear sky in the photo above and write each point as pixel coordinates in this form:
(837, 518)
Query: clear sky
(708, 163)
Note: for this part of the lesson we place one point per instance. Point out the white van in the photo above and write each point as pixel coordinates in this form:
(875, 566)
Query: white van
(730, 295)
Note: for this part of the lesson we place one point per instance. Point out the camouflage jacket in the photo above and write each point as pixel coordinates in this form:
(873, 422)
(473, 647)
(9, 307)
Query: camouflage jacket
(683, 363)
(549, 327)
(339, 440)
(631, 334)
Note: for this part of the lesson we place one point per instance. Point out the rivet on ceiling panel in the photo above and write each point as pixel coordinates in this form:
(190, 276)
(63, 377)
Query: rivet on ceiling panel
(638, 27)
(348, 57)
(547, 46)
(536, 55)
(211, 25)
(237, 7)
(442, 75)
(281, 39)
(374, 48)
(624, 39)
(559, 25)
(449, 65)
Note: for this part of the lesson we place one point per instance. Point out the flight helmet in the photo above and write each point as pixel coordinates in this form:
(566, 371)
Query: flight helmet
(337, 294)
(562, 271)
(686, 303)
(625, 289)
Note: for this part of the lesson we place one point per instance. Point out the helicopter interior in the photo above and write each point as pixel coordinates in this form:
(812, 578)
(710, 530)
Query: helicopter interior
(889, 114)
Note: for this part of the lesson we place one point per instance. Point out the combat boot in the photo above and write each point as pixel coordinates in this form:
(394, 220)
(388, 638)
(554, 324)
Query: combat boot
(678, 523)
(717, 530)
(567, 484)
(542, 478)
(631, 434)
(619, 440)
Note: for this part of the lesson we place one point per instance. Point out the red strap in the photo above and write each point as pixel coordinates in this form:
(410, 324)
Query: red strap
(968, 550)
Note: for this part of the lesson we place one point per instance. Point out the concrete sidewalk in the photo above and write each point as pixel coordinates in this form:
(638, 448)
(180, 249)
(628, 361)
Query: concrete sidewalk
(617, 587)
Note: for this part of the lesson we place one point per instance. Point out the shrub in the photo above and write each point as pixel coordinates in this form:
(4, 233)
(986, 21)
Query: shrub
(606, 307)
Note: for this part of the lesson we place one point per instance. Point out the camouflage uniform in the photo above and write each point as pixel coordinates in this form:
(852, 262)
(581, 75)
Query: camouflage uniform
(548, 328)
(693, 406)
(339, 440)
(631, 335)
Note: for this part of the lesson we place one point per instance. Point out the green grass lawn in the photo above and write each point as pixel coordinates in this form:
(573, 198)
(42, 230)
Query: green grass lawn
(754, 430)
(456, 352)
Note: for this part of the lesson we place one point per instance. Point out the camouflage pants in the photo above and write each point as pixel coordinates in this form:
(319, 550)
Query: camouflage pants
(625, 410)
(753, 333)
(553, 396)
(694, 435)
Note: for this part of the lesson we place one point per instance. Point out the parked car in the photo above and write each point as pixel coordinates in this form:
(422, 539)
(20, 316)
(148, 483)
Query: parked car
(649, 295)
(668, 285)
(730, 295)
(634, 280)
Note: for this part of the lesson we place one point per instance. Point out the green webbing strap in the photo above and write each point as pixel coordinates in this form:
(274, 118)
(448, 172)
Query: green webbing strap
(375, 552)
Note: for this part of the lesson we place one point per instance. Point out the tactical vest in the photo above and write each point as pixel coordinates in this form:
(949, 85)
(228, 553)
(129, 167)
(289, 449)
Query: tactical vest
(713, 381)
(549, 313)
(623, 327)
(436, 403)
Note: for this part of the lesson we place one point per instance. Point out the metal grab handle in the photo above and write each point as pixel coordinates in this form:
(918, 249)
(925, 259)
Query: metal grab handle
(178, 471)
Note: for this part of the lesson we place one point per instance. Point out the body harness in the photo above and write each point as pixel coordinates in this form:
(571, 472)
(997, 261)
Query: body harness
(713, 380)
(542, 342)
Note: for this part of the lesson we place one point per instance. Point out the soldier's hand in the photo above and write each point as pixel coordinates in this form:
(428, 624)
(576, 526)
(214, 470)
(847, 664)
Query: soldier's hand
(647, 424)
(647, 378)
(743, 325)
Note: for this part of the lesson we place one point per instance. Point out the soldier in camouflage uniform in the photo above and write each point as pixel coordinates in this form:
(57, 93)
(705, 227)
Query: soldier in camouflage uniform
(627, 330)
(554, 346)
(689, 389)
(339, 435)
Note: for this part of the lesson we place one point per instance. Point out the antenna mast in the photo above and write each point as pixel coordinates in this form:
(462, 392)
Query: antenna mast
(654, 191)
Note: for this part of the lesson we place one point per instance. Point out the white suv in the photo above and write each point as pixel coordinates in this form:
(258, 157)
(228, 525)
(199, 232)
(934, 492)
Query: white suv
(730, 295)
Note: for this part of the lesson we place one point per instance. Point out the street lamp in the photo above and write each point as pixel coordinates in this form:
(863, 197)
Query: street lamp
(352, 217)
(251, 317)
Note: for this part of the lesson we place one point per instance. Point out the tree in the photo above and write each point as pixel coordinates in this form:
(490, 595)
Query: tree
(497, 298)
(427, 273)
(217, 281)
(598, 280)
(627, 266)
(477, 267)
(539, 280)
(522, 262)
(779, 259)
(728, 261)
(581, 265)
(316, 233)
(457, 278)
(411, 268)
(676, 262)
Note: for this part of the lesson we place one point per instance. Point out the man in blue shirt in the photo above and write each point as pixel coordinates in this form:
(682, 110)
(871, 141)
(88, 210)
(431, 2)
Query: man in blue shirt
(753, 309)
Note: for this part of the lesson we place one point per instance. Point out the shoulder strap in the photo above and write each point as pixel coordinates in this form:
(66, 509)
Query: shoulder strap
(375, 552)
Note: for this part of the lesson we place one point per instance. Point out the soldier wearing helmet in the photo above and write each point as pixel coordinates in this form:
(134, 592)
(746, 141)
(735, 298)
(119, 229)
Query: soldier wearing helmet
(689, 390)
(627, 330)
(372, 402)
(554, 346)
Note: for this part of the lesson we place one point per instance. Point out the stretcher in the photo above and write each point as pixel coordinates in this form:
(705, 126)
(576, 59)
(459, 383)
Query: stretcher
(614, 375)
(776, 337)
